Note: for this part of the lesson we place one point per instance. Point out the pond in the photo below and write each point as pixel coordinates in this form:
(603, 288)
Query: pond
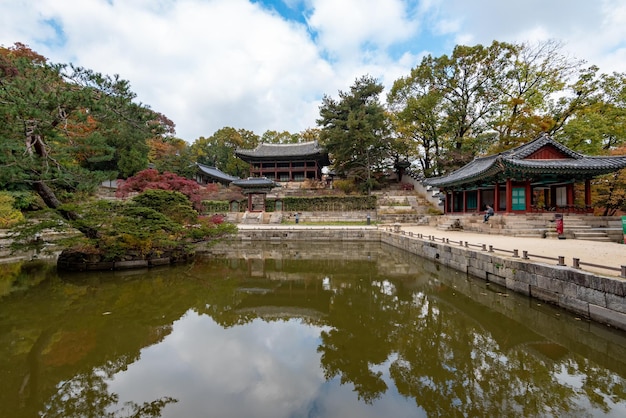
(296, 330)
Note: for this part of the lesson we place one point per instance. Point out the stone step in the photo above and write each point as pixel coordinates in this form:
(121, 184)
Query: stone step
(593, 235)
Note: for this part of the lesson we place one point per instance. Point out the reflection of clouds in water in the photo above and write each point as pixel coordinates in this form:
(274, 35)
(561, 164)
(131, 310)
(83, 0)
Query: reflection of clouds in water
(259, 369)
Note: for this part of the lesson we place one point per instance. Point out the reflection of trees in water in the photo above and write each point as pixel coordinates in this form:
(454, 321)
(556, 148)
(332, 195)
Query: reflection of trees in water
(451, 363)
(361, 337)
(87, 395)
(451, 354)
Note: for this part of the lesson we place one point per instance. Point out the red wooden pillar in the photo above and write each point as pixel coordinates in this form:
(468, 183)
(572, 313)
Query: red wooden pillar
(509, 195)
(479, 200)
(529, 197)
(496, 198)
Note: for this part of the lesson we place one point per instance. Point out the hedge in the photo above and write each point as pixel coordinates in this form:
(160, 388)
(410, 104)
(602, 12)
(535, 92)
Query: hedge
(301, 204)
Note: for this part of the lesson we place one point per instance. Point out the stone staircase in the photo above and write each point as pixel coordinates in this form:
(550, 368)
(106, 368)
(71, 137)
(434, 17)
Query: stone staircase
(531, 225)
(402, 206)
(252, 218)
(577, 227)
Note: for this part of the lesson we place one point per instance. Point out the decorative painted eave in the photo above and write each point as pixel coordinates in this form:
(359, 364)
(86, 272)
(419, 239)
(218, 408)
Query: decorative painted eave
(304, 150)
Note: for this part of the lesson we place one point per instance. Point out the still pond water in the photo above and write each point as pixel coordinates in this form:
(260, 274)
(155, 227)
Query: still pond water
(292, 330)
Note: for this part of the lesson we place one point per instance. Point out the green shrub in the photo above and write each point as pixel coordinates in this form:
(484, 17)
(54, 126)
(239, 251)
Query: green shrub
(9, 215)
(216, 206)
(329, 203)
(346, 186)
(170, 203)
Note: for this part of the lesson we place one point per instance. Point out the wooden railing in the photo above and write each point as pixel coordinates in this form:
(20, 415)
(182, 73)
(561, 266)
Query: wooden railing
(576, 263)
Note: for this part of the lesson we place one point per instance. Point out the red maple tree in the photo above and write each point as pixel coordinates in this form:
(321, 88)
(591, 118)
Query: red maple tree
(152, 179)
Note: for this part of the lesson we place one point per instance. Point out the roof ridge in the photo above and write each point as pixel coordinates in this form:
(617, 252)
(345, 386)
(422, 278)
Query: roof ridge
(287, 144)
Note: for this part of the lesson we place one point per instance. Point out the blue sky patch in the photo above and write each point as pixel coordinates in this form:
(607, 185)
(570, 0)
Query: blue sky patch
(59, 38)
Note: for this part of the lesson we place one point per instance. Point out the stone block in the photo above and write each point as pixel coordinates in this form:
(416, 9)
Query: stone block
(574, 305)
(159, 261)
(577, 277)
(496, 279)
(131, 264)
(524, 276)
(478, 272)
(615, 287)
(544, 294)
(615, 302)
(596, 282)
(518, 286)
(592, 296)
(99, 266)
(549, 284)
(607, 316)
(570, 289)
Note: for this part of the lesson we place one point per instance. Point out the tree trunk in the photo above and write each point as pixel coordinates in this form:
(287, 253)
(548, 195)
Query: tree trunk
(51, 200)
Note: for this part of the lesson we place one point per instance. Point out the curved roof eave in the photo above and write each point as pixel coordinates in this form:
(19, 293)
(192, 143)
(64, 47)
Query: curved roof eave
(586, 165)
(476, 170)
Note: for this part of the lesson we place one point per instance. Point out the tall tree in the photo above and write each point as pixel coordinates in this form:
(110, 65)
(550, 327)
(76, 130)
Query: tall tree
(355, 131)
(444, 102)
(218, 150)
(275, 137)
(487, 99)
(59, 122)
(599, 126)
(416, 109)
(526, 90)
(171, 154)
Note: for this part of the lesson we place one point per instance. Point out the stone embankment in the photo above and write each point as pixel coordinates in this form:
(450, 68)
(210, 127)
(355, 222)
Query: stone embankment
(587, 294)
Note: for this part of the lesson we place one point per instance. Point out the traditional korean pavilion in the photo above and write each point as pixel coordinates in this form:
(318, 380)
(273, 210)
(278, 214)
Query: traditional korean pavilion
(286, 162)
(206, 174)
(256, 188)
(539, 176)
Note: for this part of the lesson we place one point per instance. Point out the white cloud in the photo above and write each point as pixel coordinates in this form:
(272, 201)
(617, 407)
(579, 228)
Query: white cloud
(207, 64)
(346, 26)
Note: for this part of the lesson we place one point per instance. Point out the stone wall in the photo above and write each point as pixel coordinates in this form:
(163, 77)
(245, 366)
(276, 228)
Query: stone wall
(589, 295)
(586, 294)
(313, 234)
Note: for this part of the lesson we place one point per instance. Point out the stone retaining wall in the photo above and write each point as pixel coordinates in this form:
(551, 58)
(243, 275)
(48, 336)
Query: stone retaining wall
(321, 233)
(592, 296)
(586, 294)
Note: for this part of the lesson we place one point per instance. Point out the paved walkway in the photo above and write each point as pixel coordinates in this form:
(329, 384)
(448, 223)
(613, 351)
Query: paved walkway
(593, 252)
(599, 253)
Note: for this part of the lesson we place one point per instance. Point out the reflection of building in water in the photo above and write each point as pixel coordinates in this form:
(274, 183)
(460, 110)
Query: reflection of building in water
(285, 299)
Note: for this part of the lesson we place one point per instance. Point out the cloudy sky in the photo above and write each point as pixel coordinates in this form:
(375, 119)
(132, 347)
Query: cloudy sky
(266, 64)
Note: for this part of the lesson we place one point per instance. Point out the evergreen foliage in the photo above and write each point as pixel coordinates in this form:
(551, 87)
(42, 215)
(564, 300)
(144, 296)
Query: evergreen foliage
(355, 132)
